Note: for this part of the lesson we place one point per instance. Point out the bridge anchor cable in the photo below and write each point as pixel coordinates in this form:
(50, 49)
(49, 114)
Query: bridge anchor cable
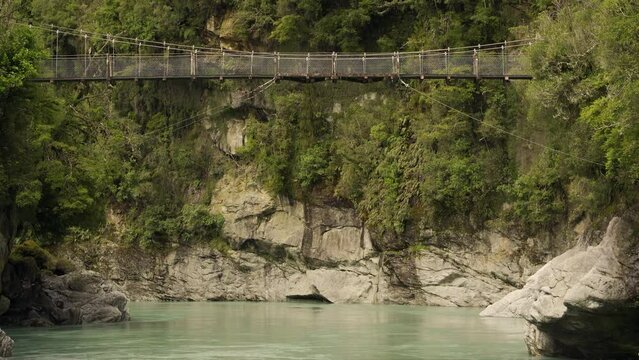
(498, 128)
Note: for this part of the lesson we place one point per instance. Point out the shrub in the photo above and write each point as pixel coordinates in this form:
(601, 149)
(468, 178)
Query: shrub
(220, 245)
(313, 166)
(198, 224)
(539, 197)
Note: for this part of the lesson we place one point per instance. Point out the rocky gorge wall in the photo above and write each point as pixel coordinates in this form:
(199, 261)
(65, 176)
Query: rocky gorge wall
(282, 249)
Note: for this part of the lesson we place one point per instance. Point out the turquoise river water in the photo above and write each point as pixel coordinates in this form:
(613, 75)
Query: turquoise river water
(291, 330)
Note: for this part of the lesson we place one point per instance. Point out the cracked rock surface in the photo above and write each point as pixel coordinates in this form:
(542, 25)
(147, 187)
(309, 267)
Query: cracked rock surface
(79, 297)
(583, 303)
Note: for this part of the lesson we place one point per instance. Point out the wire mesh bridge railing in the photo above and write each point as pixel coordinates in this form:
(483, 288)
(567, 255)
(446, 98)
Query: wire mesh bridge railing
(484, 64)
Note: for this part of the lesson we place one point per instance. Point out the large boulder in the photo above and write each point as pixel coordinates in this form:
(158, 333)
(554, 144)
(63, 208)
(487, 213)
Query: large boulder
(76, 298)
(6, 345)
(585, 302)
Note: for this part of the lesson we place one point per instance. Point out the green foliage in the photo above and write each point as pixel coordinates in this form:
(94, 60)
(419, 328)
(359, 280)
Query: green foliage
(220, 245)
(290, 29)
(417, 249)
(539, 196)
(586, 100)
(286, 149)
(19, 52)
(313, 166)
(197, 223)
(270, 147)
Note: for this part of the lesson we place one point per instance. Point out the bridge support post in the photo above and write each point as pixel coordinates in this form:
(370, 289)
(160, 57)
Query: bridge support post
(139, 67)
(57, 51)
(193, 64)
(222, 67)
(334, 71)
(504, 60)
(364, 67)
(277, 60)
(108, 60)
(86, 56)
(166, 62)
(447, 61)
(108, 68)
(421, 64)
(476, 63)
(252, 55)
(112, 57)
(308, 63)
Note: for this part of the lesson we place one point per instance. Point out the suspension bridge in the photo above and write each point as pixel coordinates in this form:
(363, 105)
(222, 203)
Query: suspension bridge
(111, 58)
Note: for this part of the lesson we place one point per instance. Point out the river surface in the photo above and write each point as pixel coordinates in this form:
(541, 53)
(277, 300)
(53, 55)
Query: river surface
(292, 330)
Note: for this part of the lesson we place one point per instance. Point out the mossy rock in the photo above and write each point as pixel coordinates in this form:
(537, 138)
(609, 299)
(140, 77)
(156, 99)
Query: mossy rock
(30, 255)
(31, 249)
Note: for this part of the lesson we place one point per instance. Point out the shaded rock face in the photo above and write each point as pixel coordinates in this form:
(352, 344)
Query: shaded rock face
(290, 250)
(232, 139)
(7, 232)
(8, 226)
(583, 303)
(75, 298)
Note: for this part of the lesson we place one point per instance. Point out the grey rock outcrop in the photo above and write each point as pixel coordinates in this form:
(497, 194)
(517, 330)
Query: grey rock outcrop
(76, 298)
(452, 276)
(200, 273)
(322, 233)
(231, 138)
(6, 345)
(585, 302)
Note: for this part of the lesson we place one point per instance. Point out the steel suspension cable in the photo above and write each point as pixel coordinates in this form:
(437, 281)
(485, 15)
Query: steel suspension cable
(197, 117)
(498, 128)
(189, 48)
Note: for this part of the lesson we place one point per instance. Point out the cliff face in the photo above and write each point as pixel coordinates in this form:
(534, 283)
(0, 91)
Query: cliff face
(284, 249)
